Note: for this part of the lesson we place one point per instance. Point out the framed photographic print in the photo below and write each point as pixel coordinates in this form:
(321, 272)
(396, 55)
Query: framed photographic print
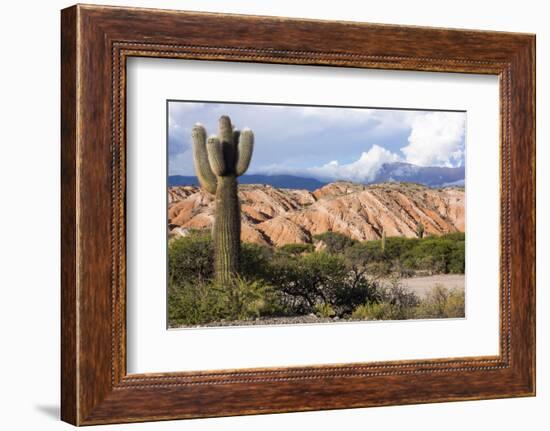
(294, 215)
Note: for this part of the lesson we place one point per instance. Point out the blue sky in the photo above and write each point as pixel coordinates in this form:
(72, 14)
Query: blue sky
(324, 142)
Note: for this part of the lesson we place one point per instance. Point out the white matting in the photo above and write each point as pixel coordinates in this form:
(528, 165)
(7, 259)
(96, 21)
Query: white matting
(153, 348)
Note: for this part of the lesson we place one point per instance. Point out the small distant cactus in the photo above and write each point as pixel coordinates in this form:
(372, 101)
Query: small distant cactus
(383, 241)
(218, 161)
(419, 230)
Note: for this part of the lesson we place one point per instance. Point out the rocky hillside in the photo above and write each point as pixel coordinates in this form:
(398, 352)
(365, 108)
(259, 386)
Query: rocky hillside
(285, 216)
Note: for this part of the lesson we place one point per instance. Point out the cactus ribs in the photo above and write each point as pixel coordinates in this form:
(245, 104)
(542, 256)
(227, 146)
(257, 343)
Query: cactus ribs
(218, 161)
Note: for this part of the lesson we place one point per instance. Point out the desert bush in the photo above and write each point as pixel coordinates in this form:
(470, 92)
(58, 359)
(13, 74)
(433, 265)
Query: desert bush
(336, 242)
(190, 258)
(203, 302)
(395, 293)
(296, 249)
(393, 302)
(455, 306)
(376, 311)
(457, 258)
(379, 269)
(194, 303)
(403, 256)
(324, 310)
(355, 290)
(255, 260)
(308, 279)
(400, 269)
(454, 236)
(244, 298)
(397, 304)
(363, 253)
(444, 254)
(441, 302)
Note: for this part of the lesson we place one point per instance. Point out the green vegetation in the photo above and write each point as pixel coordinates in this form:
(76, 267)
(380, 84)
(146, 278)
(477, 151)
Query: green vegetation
(344, 279)
(405, 257)
(202, 302)
(398, 304)
(295, 249)
(441, 302)
(335, 242)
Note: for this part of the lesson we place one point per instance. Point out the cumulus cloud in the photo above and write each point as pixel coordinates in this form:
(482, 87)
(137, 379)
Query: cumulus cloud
(363, 169)
(436, 139)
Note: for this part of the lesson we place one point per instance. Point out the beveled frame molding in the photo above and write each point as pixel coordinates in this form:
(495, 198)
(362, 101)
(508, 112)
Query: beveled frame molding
(96, 41)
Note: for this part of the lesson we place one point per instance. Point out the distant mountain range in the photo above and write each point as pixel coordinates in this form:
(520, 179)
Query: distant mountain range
(279, 181)
(431, 176)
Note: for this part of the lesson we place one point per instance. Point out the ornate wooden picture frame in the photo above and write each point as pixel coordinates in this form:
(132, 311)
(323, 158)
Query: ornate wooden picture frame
(96, 41)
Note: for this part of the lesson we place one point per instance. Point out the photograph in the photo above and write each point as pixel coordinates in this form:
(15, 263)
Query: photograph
(295, 214)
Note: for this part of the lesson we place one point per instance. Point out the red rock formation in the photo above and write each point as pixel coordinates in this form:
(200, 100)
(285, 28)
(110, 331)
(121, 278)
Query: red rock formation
(284, 216)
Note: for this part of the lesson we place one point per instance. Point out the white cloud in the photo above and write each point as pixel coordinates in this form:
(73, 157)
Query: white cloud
(436, 139)
(363, 169)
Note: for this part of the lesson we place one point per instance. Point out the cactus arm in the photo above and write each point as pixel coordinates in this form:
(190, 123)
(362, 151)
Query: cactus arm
(244, 151)
(206, 177)
(225, 129)
(236, 136)
(214, 148)
(229, 146)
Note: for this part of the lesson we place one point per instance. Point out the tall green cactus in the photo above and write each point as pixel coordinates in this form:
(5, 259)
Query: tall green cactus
(219, 160)
(383, 241)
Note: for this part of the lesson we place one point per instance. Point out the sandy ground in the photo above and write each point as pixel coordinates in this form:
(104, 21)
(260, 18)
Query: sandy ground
(422, 285)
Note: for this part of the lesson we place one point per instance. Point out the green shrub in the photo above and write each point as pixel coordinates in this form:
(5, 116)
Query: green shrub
(376, 311)
(190, 258)
(336, 242)
(403, 256)
(455, 306)
(401, 297)
(255, 260)
(194, 304)
(203, 302)
(244, 298)
(355, 290)
(363, 253)
(394, 302)
(441, 302)
(397, 246)
(308, 279)
(324, 310)
(296, 249)
(400, 269)
(457, 258)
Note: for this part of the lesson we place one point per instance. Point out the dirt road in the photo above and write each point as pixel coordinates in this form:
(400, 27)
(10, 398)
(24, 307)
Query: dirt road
(422, 285)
